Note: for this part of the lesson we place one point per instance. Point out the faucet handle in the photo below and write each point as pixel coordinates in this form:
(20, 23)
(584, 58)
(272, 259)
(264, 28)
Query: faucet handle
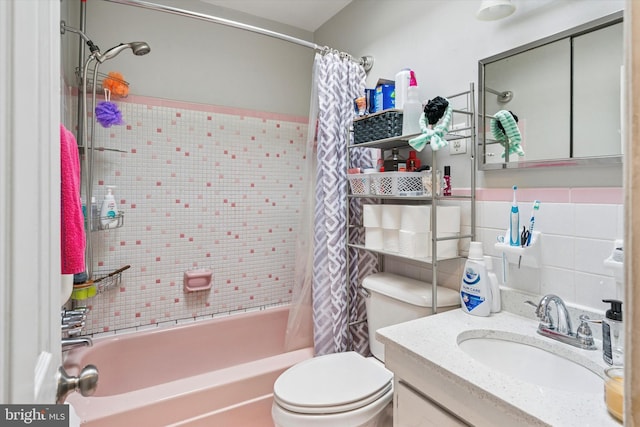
(583, 333)
(542, 312)
(78, 311)
(586, 319)
(76, 318)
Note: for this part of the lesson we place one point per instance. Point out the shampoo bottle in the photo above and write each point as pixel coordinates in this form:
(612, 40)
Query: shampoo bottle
(613, 334)
(475, 289)
(109, 210)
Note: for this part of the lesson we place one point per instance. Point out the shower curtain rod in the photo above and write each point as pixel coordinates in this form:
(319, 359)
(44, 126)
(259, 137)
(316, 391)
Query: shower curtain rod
(365, 61)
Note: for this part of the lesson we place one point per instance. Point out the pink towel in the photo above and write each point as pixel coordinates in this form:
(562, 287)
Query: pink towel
(71, 220)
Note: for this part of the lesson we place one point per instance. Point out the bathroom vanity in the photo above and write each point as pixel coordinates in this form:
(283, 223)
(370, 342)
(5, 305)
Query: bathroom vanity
(440, 381)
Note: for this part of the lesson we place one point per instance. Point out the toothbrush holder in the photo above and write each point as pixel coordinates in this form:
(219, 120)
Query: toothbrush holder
(529, 256)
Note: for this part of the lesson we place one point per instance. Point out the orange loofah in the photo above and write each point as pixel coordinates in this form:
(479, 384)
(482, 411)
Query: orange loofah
(116, 84)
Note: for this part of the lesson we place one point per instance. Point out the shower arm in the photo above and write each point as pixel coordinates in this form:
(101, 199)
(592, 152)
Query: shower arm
(93, 48)
(503, 97)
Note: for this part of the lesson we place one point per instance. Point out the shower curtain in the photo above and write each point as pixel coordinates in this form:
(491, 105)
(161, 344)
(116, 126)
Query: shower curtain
(321, 288)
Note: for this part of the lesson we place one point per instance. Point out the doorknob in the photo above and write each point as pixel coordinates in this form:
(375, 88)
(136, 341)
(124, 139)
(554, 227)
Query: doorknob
(86, 383)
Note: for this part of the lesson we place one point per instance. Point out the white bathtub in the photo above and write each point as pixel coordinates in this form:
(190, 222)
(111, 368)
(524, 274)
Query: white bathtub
(218, 372)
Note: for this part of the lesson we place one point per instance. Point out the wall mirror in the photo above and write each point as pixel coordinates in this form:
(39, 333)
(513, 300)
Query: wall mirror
(566, 92)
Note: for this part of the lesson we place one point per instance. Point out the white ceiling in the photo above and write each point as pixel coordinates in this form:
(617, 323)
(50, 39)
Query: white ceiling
(308, 15)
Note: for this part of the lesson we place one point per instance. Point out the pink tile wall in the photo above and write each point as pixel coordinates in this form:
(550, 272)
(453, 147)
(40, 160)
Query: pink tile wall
(201, 186)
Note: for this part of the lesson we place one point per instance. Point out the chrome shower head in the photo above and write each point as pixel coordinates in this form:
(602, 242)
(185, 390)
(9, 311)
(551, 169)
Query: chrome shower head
(138, 48)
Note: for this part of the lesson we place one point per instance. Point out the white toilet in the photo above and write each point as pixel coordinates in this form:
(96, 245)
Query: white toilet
(346, 389)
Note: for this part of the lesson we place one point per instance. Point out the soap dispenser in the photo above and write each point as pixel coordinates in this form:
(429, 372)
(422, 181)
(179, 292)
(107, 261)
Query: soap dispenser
(613, 334)
(109, 210)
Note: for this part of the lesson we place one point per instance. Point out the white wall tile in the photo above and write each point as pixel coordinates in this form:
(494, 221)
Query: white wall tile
(556, 218)
(558, 251)
(526, 279)
(496, 215)
(596, 221)
(560, 282)
(590, 255)
(591, 289)
(571, 263)
(199, 189)
(620, 222)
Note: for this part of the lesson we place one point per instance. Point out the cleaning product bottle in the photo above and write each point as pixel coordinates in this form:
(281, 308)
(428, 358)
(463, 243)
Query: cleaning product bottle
(613, 334)
(412, 108)
(496, 305)
(401, 88)
(514, 221)
(475, 291)
(109, 209)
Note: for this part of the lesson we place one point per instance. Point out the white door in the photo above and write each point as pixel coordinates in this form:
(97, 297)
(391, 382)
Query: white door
(29, 200)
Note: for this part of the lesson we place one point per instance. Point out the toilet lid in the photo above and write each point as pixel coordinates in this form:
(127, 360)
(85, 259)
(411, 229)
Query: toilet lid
(332, 383)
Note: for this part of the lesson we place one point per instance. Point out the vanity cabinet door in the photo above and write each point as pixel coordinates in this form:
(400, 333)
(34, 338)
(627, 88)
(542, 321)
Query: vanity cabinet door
(416, 410)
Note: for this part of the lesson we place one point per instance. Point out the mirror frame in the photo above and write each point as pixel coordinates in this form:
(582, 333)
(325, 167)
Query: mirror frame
(588, 27)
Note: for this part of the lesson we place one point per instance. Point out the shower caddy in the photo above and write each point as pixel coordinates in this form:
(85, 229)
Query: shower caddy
(88, 81)
(468, 112)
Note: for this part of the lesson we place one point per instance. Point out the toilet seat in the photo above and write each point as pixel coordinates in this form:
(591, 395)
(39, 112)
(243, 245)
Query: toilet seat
(331, 384)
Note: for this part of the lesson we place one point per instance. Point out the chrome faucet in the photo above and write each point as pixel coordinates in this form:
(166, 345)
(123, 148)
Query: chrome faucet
(72, 325)
(71, 343)
(560, 329)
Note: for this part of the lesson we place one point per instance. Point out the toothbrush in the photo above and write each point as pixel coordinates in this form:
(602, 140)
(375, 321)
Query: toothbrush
(536, 207)
(514, 231)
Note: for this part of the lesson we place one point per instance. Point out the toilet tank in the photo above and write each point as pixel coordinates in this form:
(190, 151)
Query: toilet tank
(396, 299)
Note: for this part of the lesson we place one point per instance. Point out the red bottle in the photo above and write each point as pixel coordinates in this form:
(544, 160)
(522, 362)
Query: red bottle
(413, 162)
(446, 184)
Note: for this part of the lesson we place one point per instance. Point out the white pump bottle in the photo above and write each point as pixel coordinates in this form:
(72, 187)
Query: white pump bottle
(109, 210)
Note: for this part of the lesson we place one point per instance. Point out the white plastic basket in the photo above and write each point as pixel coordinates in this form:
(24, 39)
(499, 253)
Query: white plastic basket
(397, 184)
(359, 183)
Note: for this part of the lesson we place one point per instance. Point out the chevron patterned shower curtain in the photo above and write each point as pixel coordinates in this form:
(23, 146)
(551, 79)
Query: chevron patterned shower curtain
(339, 82)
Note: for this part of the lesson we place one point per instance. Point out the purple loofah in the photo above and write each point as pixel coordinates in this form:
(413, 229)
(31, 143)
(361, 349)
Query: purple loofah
(108, 114)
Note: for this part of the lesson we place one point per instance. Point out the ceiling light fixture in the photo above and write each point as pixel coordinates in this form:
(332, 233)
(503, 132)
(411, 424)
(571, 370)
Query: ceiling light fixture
(491, 10)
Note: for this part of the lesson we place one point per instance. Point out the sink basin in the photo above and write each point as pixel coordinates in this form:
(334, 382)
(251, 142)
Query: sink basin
(529, 359)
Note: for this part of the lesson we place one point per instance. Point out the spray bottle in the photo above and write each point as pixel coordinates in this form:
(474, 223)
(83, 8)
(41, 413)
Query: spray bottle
(402, 81)
(412, 108)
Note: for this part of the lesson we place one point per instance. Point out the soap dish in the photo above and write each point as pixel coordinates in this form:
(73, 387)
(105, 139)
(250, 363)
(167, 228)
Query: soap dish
(197, 280)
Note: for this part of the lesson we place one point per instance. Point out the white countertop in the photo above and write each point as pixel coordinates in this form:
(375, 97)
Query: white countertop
(433, 342)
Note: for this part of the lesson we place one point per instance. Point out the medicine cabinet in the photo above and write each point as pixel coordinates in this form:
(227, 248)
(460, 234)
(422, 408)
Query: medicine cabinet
(565, 90)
